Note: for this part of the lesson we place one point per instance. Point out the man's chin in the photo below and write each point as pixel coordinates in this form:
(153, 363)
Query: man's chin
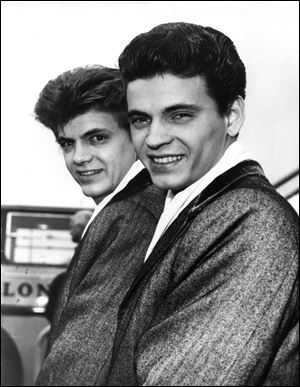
(165, 183)
(91, 193)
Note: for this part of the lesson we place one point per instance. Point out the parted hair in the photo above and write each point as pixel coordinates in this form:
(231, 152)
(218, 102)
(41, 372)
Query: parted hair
(187, 50)
(78, 91)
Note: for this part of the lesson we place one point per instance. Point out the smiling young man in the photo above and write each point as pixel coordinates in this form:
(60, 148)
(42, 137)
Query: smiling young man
(175, 151)
(97, 153)
(216, 300)
(85, 110)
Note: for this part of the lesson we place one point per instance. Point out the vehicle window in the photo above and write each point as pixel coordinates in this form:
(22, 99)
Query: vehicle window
(38, 238)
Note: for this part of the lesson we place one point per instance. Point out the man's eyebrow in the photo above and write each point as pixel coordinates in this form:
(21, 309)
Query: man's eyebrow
(92, 132)
(61, 139)
(181, 106)
(133, 112)
(168, 109)
(89, 133)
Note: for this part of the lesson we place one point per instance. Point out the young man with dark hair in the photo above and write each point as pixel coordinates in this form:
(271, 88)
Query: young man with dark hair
(216, 302)
(85, 110)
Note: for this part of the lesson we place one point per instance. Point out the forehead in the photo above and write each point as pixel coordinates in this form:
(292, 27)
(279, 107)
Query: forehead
(165, 90)
(91, 120)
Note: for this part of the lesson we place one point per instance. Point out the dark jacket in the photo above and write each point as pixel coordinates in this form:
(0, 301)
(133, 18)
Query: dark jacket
(100, 273)
(216, 303)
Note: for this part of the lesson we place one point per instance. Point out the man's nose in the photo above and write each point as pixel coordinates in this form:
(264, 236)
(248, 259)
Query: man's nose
(157, 136)
(81, 154)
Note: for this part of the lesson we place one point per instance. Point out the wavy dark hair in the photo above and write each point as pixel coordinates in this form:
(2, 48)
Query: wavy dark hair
(78, 91)
(187, 50)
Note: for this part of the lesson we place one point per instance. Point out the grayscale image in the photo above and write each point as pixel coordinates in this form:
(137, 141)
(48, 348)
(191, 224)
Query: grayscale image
(150, 193)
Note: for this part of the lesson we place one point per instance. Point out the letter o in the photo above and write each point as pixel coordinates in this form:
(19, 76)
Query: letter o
(25, 289)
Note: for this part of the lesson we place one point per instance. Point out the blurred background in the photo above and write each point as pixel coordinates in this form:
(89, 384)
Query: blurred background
(42, 39)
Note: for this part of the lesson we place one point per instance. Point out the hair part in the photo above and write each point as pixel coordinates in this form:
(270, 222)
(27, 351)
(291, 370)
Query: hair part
(187, 50)
(78, 91)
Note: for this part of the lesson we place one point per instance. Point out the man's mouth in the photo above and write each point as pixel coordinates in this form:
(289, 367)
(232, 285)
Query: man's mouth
(166, 159)
(89, 173)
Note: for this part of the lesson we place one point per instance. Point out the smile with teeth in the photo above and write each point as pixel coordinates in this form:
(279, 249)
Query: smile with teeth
(90, 173)
(166, 159)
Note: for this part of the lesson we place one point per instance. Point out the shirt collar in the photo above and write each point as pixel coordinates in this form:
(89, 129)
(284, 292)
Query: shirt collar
(233, 155)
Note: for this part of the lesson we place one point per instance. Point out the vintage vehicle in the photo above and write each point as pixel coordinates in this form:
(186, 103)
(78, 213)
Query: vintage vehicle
(36, 246)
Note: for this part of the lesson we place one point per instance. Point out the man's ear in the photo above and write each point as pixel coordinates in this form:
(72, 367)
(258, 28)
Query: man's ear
(235, 117)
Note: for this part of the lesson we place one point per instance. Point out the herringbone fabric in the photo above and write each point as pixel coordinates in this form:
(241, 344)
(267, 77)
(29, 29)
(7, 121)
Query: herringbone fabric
(216, 303)
(103, 267)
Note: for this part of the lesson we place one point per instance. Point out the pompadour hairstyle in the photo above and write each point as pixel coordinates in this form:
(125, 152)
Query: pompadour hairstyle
(78, 91)
(187, 50)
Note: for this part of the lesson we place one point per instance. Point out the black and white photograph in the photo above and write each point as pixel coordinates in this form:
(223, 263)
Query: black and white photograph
(149, 193)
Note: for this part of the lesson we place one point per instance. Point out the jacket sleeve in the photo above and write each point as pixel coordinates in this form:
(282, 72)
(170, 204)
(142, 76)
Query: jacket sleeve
(230, 314)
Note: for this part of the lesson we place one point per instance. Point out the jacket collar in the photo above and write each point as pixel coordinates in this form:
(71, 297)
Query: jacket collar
(139, 182)
(227, 180)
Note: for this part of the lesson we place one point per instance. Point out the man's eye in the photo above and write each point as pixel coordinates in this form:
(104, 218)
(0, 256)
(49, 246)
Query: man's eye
(97, 138)
(66, 145)
(181, 116)
(139, 122)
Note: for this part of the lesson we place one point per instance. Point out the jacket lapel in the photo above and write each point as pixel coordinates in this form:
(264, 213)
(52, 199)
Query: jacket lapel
(76, 274)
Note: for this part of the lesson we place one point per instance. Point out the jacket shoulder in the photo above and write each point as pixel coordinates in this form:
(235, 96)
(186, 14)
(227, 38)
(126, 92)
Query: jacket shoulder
(255, 193)
(148, 201)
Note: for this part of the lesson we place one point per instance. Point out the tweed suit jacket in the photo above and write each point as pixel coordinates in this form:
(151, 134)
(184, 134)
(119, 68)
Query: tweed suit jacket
(102, 269)
(216, 302)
